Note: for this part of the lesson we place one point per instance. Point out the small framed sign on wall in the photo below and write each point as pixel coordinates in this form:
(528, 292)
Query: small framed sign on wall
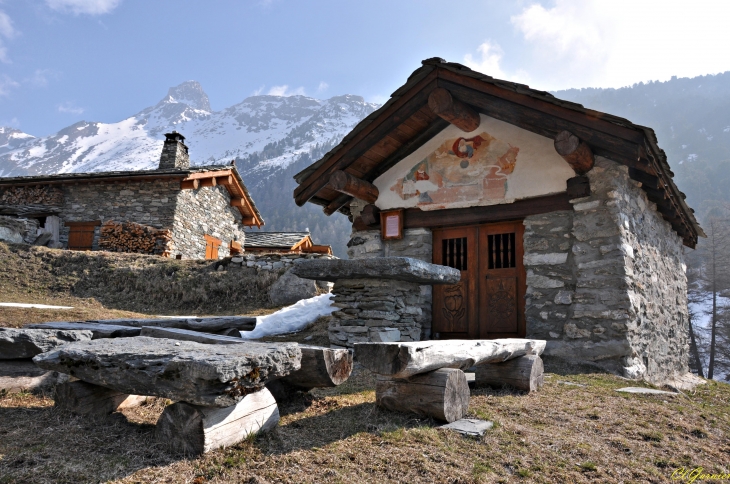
(391, 224)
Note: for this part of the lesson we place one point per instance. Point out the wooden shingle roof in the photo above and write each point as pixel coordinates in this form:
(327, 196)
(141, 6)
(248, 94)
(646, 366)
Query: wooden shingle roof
(405, 122)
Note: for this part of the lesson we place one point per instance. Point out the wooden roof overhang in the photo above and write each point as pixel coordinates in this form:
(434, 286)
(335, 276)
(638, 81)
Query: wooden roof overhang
(406, 122)
(195, 177)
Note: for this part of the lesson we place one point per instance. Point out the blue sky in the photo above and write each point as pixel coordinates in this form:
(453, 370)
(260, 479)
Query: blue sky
(62, 61)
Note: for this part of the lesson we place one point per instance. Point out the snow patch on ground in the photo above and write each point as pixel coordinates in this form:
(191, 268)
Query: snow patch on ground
(34, 306)
(292, 318)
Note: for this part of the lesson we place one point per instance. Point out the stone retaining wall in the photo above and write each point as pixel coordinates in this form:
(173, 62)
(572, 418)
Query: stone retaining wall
(18, 230)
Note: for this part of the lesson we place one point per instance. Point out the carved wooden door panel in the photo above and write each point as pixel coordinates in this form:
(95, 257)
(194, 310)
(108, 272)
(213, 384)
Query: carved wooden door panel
(501, 281)
(455, 306)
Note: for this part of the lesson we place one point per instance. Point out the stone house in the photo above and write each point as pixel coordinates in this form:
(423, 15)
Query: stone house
(174, 211)
(565, 223)
(283, 243)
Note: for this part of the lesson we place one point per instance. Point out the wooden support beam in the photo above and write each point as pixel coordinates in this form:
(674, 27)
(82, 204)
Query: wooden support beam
(83, 398)
(237, 202)
(523, 373)
(644, 178)
(461, 115)
(578, 187)
(442, 394)
(208, 182)
(224, 180)
(576, 152)
(348, 184)
(249, 221)
(189, 184)
(370, 215)
(193, 429)
(337, 204)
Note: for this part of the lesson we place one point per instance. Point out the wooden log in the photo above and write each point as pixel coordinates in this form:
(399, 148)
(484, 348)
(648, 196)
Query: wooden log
(208, 182)
(23, 375)
(321, 367)
(370, 215)
(523, 373)
(98, 330)
(442, 394)
(576, 152)
(83, 398)
(578, 187)
(189, 335)
(193, 430)
(211, 325)
(461, 115)
(232, 332)
(348, 184)
(237, 202)
(189, 184)
(402, 360)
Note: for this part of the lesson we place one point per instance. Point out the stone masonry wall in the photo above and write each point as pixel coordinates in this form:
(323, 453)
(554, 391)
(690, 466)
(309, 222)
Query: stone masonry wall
(205, 211)
(383, 310)
(148, 203)
(18, 230)
(606, 282)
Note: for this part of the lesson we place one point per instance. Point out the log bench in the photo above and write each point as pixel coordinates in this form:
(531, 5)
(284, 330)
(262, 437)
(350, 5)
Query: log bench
(427, 377)
(219, 390)
(321, 367)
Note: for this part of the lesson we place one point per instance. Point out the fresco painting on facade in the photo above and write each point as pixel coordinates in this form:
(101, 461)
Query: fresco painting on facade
(474, 169)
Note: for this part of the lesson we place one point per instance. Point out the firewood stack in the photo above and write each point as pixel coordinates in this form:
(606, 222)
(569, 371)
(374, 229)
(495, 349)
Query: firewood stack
(39, 195)
(134, 237)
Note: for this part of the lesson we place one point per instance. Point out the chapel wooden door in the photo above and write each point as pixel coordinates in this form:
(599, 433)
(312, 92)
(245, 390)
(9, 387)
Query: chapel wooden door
(489, 301)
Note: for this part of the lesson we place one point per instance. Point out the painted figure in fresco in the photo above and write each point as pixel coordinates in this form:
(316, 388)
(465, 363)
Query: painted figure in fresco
(461, 171)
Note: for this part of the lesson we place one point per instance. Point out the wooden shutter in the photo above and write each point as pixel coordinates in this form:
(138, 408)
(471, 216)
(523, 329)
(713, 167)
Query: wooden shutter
(211, 247)
(81, 235)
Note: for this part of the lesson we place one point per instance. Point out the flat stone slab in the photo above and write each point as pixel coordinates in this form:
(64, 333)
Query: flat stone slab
(201, 374)
(98, 330)
(469, 426)
(213, 324)
(645, 391)
(394, 268)
(26, 343)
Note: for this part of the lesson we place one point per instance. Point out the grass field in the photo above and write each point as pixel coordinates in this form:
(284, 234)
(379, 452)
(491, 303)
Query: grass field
(577, 428)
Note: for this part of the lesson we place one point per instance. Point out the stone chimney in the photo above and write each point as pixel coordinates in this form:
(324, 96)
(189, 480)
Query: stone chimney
(174, 152)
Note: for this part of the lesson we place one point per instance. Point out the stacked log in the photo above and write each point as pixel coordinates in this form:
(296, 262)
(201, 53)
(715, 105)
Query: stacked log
(134, 237)
(38, 195)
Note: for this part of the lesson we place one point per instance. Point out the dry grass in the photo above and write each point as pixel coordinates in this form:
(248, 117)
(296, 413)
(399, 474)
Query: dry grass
(94, 282)
(563, 433)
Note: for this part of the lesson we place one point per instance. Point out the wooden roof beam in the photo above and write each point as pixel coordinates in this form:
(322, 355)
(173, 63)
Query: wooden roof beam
(443, 104)
(576, 152)
(348, 184)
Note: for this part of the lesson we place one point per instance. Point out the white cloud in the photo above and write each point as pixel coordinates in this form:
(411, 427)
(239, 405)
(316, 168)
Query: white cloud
(258, 91)
(90, 7)
(490, 56)
(285, 91)
(7, 84)
(41, 77)
(614, 43)
(489, 63)
(70, 108)
(7, 31)
(323, 86)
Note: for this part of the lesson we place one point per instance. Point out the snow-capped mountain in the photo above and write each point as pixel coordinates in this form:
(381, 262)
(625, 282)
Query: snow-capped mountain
(212, 136)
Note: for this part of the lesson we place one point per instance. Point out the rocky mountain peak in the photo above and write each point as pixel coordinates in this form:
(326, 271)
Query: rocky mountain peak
(190, 93)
